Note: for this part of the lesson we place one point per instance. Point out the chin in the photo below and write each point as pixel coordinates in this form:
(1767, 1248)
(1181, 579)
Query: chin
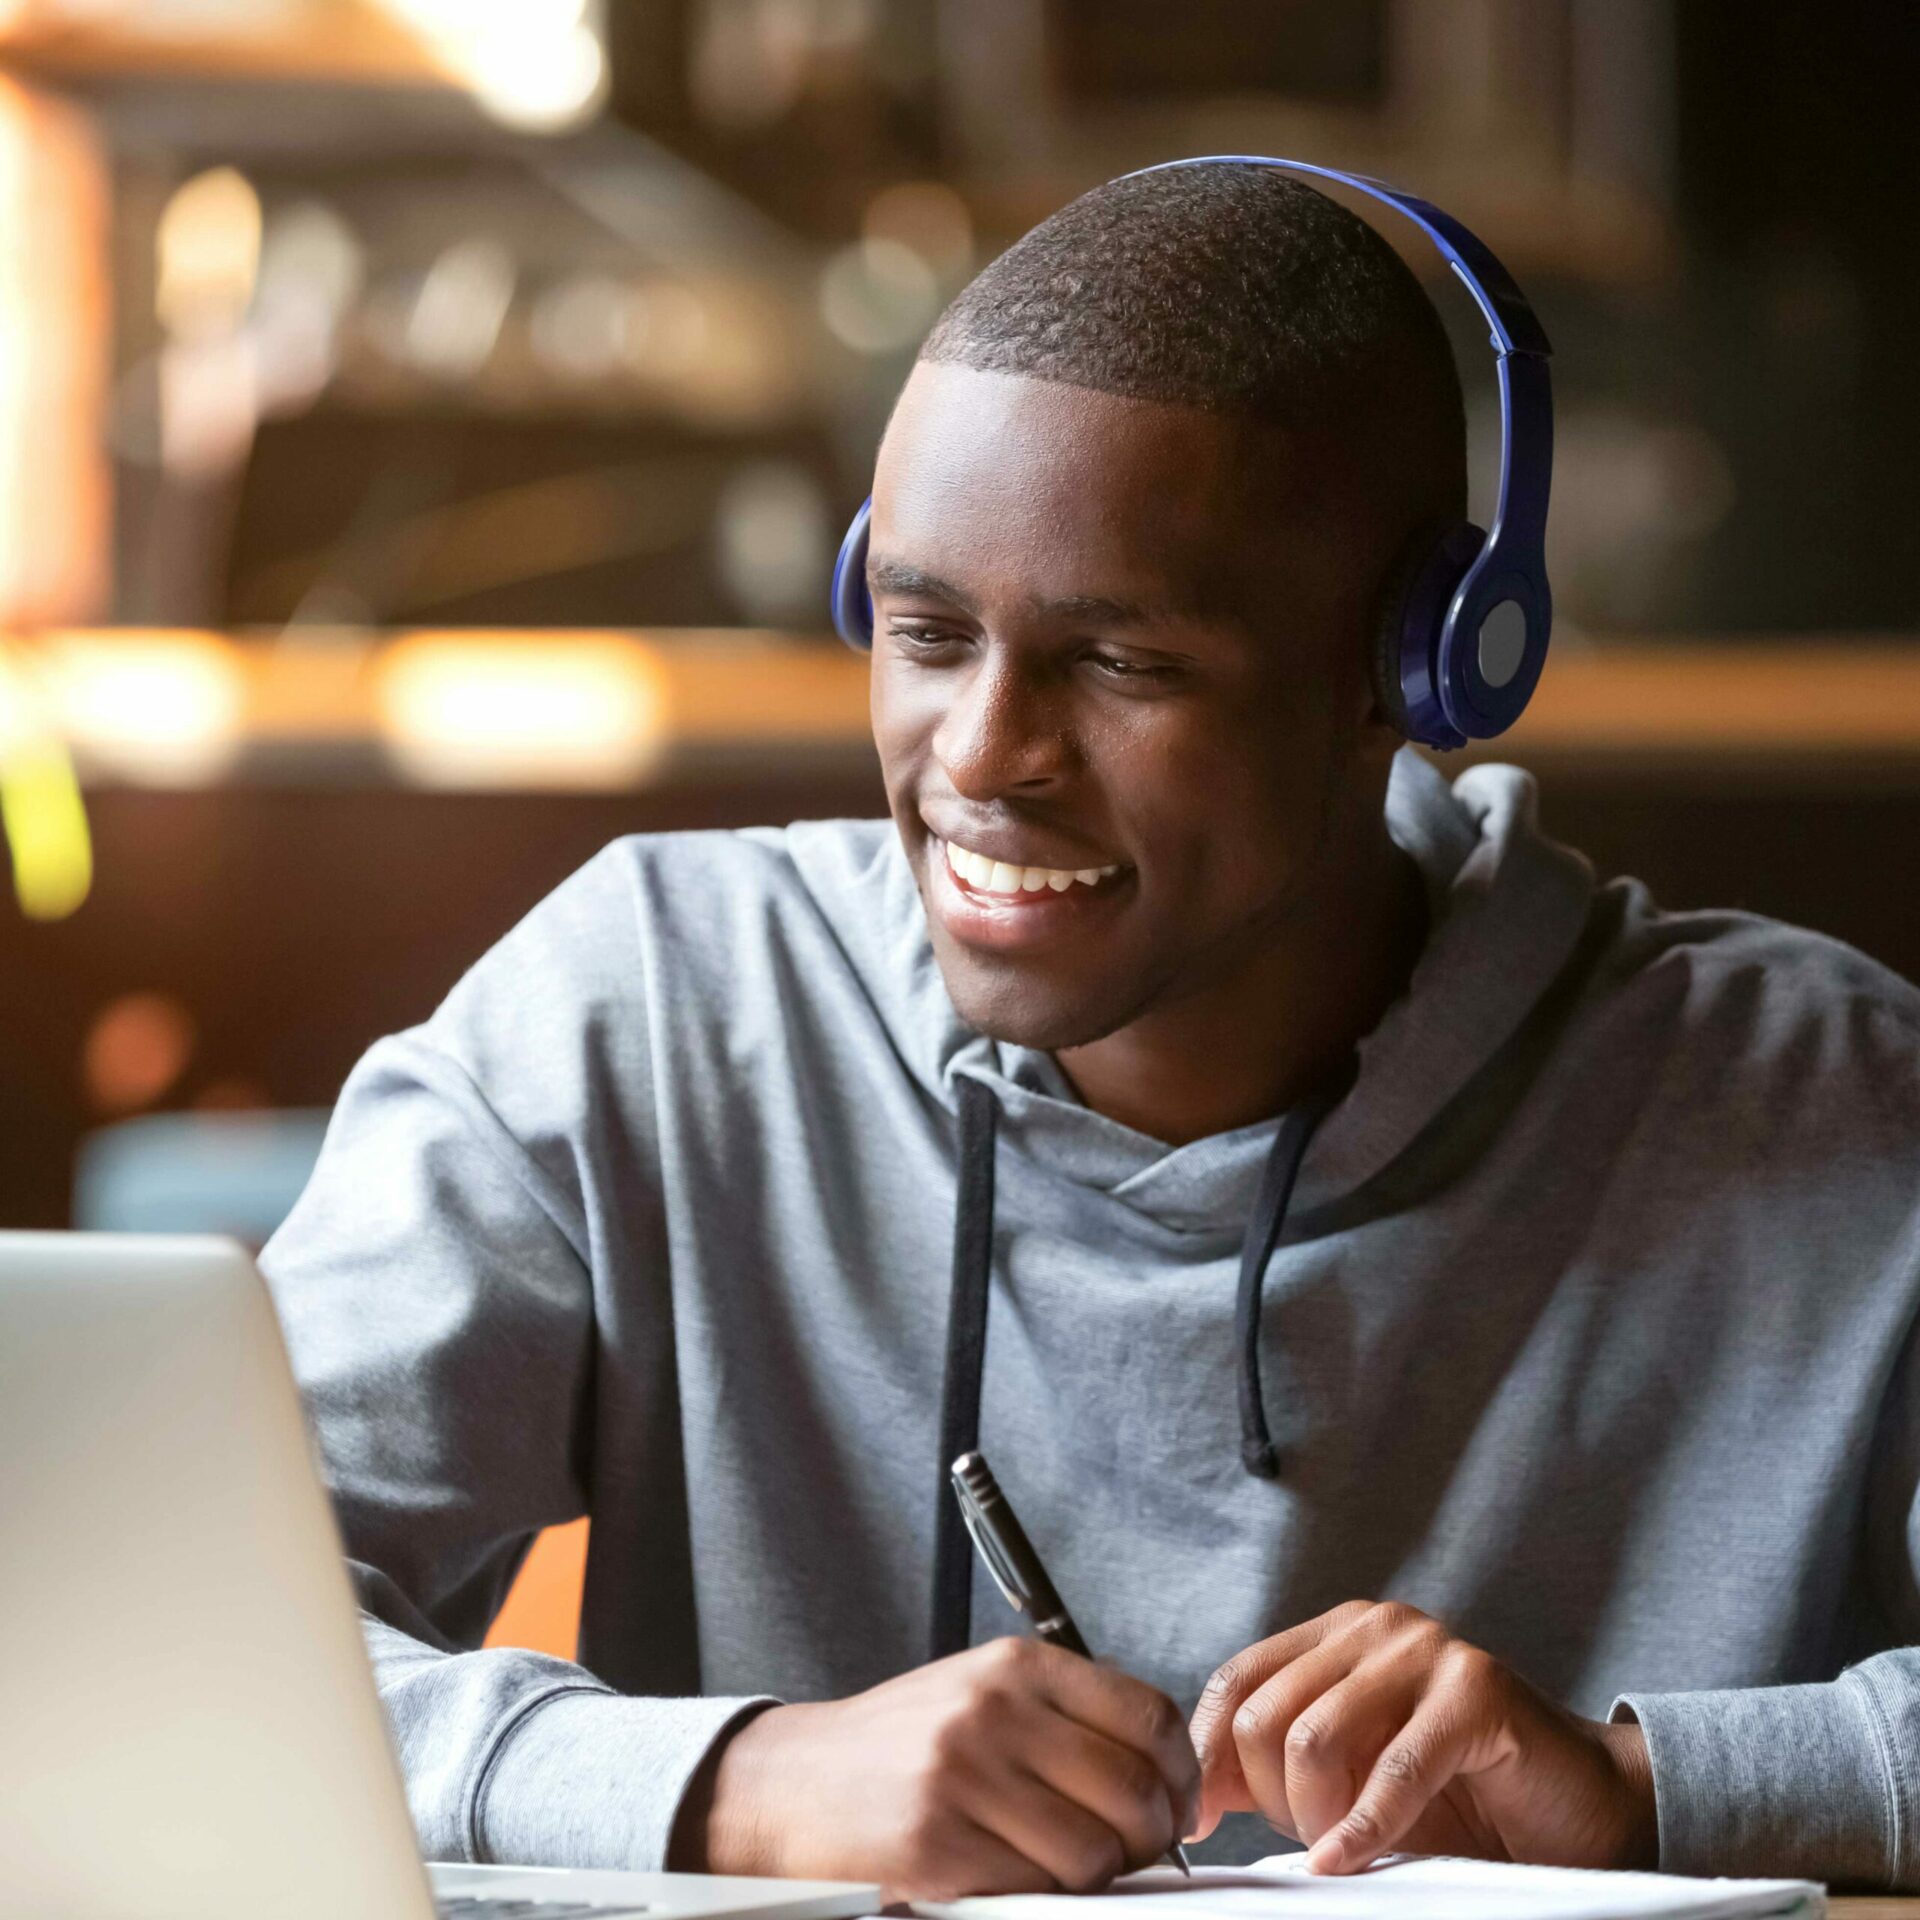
(1045, 1016)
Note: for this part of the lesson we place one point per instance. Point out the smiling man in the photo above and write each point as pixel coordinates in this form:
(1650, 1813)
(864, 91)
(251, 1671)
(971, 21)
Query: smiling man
(1449, 1320)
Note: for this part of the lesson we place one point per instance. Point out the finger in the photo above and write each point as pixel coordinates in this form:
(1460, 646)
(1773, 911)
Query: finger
(1223, 1788)
(1115, 1783)
(1262, 1726)
(1128, 1711)
(1076, 1849)
(1411, 1768)
(1247, 1672)
(970, 1860)
(1332, 1745)
(1223, 1785)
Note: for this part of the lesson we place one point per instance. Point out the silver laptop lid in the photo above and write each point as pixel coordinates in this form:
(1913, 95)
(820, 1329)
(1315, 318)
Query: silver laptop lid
(188, 1728)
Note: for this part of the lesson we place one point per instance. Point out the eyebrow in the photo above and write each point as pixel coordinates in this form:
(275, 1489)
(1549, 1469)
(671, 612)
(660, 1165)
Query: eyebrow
(896, 576)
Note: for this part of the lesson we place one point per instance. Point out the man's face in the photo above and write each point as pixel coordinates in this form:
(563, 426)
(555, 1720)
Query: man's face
(1118, 693)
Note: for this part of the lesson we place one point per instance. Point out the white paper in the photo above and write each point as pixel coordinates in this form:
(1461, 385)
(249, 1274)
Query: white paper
(1401, 1888)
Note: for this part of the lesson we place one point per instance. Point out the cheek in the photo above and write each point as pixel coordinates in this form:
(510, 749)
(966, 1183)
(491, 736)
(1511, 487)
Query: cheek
(902, 717)
(1231, 810)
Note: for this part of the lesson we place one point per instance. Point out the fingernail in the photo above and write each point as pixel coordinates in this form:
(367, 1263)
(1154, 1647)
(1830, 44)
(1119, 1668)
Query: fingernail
(1326, 1854)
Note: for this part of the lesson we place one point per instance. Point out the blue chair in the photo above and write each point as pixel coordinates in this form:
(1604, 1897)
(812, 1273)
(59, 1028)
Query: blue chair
(236, 1173)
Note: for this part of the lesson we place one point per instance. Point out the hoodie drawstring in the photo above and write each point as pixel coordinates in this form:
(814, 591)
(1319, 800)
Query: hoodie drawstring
(1289, 1148)
(967, 1322)
(966, 1355)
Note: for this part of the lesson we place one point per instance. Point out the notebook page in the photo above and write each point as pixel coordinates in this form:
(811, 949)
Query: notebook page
(1402, 1888)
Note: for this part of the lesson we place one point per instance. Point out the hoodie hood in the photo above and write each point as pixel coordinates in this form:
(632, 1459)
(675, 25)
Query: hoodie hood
(1507, 908)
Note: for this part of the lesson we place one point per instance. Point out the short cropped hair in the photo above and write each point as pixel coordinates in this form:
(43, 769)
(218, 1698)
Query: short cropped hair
(1236, 289)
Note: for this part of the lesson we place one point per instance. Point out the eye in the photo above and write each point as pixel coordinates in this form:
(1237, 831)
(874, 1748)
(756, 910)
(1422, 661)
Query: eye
(1134, 672)
(919, 637)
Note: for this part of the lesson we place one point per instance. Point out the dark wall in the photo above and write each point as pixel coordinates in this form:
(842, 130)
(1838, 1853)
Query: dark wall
(1799, 162)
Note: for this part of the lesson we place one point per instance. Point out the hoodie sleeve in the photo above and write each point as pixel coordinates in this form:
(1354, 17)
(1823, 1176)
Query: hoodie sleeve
(1812, 1782)
(435, 1285)
(1822, 1781)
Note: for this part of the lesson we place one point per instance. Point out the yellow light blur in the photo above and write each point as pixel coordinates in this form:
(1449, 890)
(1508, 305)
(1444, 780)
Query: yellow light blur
(162, 708)
(46, 828)
(207, 253)
(42, 815)
(580, 711)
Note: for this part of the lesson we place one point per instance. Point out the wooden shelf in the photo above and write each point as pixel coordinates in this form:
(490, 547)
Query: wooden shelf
(613, 710)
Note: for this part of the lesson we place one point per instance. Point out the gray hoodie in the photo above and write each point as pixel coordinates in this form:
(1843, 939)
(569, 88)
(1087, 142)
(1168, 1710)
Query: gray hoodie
(1588, 1333)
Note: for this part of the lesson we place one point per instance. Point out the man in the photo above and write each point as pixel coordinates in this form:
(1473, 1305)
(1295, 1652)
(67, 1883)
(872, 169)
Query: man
(1583, 1351)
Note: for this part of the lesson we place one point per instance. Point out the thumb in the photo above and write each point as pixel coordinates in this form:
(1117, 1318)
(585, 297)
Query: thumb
(1223, 1786)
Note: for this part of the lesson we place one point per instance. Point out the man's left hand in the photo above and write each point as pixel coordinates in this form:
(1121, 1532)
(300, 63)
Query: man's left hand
(1373, 1729)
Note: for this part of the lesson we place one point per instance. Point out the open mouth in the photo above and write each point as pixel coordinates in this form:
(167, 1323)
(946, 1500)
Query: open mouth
(1001, 883)
(992, 905)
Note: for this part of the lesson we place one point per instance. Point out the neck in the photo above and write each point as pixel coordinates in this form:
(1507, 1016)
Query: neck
(1260, 1039)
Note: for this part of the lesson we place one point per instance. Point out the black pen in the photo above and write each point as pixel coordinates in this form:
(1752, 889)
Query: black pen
(1008, 1555)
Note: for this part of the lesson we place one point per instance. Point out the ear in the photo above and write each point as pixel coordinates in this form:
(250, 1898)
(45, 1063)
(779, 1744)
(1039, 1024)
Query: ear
(1377, 737)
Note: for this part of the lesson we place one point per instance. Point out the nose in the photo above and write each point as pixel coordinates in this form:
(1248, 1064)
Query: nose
(1003, 731)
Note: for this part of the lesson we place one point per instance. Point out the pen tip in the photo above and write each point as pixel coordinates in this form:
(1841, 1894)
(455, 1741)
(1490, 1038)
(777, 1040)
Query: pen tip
(1178, 1855)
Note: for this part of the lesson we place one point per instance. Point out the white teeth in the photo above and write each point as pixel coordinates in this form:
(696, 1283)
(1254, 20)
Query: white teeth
(971, 867)
(996, 876)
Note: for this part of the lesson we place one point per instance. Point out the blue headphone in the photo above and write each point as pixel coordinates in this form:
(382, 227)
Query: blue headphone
(1464, 615)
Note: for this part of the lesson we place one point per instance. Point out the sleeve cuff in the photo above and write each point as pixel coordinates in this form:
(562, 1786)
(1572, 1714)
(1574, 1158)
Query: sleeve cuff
(1772, 1781)
(587, 1778)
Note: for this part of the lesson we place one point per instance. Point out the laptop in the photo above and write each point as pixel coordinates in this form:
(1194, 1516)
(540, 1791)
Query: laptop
(188, 1724)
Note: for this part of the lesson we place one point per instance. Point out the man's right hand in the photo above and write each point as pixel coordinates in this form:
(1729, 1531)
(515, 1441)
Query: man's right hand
(1013, 1767)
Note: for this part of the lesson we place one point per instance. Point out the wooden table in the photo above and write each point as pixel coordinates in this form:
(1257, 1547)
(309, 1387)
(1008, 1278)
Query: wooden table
(1879, 1906)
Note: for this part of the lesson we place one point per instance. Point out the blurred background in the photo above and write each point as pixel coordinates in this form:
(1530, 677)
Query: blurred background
(426, 427)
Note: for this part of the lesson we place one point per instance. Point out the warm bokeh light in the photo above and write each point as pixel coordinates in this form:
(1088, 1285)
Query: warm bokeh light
(554, 711)
(928, 216)
(136, 1050)
(501, 708)
(534, 64)
(878, 295)
(207, 254)
(53, 361)
(456, 318)
(162, 708)
(775, 539)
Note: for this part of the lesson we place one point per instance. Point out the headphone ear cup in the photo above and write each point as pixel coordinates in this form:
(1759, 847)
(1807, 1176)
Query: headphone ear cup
(1408, 618)
(1389, 622)
(847, 598)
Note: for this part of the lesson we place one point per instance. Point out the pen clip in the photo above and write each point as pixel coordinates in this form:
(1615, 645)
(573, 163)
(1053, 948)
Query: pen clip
(989, 1549)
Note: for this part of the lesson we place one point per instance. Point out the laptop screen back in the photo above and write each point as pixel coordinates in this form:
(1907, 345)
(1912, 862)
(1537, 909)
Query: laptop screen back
(188, 1729)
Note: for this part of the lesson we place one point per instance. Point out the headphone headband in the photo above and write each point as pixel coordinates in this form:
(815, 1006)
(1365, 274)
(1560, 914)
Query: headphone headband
(1458, 678)
(1515, 327)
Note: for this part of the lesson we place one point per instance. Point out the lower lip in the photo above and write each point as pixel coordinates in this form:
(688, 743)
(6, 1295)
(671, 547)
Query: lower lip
(1007, 921)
